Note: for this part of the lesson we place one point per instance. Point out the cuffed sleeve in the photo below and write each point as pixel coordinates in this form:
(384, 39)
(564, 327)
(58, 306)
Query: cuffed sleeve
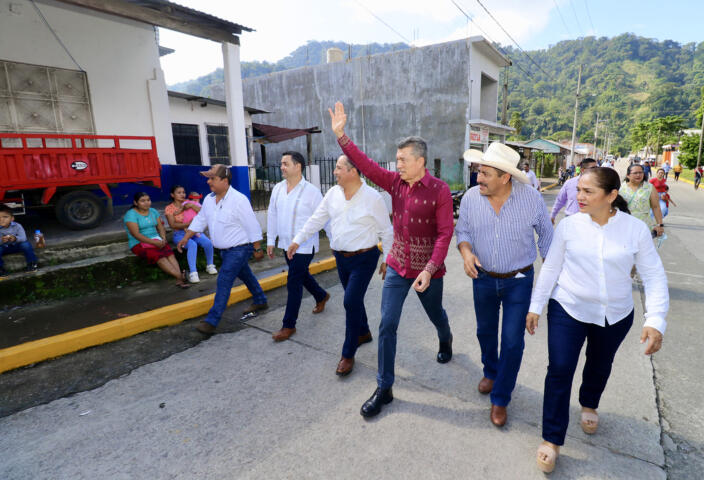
(317, 221)
(271, 218)
(462, 231)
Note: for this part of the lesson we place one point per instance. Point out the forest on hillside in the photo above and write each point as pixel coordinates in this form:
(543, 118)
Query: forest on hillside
(627, 80)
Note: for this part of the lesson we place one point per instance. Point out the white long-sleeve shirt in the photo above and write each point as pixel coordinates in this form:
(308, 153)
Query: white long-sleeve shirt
(357, 223)
(288, 212)
(588, 271)
(533, 179)
(231, 221)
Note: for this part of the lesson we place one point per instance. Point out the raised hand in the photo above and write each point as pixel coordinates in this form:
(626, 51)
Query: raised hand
(338, 119)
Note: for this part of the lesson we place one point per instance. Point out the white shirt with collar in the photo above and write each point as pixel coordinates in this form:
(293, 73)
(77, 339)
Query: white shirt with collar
(355, 224)
(231, 221)
(289, 211)
(588, 271)
(533, 179)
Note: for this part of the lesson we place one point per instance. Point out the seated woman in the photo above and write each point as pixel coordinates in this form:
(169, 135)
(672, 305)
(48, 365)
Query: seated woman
(147, 237)
(180, 214)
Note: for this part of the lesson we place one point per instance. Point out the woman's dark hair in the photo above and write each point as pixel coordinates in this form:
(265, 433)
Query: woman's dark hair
(137, 196)
(630, 167)
(607, 179)
(176, 187)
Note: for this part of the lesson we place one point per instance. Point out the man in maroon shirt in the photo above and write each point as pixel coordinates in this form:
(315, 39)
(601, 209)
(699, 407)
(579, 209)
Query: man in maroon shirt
(423, 227)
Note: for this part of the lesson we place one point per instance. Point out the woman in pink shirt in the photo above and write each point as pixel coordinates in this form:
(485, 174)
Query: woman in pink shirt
(179, 214)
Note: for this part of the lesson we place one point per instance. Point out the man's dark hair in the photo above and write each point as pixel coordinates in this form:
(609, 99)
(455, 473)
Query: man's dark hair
(296, 157)
(5, 209)
(417, 144)
(586, 161)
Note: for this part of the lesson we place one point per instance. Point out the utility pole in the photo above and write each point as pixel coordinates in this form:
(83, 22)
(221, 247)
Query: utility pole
(596, 137)
(701, 135)
(504, 108)
(576, 109)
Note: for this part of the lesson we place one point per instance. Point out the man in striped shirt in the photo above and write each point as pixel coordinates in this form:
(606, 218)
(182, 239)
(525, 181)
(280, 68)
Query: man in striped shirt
(495, 235)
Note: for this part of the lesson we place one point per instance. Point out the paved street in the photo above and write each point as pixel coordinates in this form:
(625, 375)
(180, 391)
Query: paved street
(240, 406)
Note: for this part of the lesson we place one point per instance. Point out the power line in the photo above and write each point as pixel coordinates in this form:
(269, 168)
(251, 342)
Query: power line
(589, 16)
(382, 21)
(562, 18)
(490, 39)
(575, 18)
(514, 41)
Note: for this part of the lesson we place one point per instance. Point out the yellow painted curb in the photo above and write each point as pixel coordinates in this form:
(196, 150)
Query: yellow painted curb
(50, 347)
(549, 187)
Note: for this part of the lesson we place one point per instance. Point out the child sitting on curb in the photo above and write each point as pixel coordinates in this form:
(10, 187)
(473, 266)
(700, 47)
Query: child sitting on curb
(14, 240)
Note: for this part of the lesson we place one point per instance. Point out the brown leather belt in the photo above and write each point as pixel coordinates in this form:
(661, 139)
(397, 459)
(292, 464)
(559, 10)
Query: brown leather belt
(356, 252)
(507, 274)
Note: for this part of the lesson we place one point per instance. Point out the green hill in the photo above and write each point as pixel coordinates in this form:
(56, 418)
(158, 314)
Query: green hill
(626, 79)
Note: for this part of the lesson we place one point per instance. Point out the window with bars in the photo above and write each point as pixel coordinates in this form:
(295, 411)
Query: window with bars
(218, 144)
(39, 99)
(186, 144)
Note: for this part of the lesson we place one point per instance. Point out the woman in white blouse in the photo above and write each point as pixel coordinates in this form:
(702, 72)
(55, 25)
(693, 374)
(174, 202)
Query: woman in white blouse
(586, 283)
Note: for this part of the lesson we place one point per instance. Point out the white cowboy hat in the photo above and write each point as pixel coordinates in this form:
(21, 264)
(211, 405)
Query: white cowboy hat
(498, 156)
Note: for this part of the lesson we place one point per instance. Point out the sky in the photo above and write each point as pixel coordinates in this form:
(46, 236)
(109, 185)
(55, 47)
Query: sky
(284, 25)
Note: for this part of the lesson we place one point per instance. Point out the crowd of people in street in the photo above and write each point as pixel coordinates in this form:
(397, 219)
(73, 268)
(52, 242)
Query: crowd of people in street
(585, 280)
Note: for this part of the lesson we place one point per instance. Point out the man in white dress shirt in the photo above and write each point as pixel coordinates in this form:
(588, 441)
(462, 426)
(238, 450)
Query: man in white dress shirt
(292, 202)
(235, 231)
(531, 176)
(358, 220)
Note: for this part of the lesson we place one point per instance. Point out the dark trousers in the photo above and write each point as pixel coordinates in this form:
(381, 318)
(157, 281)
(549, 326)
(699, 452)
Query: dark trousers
(565, 339)
(18, 247)
(299, 277)
(393, 295)
(512, 295)
(355, 274)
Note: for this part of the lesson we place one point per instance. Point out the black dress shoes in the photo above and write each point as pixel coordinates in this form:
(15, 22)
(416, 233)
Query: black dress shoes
(445, 351)
(372, 406)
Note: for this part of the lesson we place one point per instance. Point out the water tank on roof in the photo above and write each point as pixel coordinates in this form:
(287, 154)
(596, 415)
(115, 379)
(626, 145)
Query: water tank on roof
(334, 54)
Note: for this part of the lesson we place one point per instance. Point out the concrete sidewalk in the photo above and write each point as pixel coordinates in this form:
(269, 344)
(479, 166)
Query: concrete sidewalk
(240, 406)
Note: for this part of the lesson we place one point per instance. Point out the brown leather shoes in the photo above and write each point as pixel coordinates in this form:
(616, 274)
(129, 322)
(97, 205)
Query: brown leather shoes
(344, 367)
(255, 307)
(366, 338)
(205, 328)
(320, 306)
(283, 334)
(485, 386)
(498, 415)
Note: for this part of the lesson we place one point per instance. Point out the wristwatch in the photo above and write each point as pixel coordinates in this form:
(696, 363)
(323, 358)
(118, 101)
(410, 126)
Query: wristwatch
(661, 225)
(260, 249)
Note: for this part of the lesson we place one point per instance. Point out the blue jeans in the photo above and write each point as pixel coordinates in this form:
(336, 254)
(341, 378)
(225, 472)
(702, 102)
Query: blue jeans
(18, 247)
(513, 296)
(234, 264)
(192, 248)
(355, 274)
(298, 277)
(565, 339)
(392, 297)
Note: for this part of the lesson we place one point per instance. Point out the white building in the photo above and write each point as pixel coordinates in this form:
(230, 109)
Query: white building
(92, 67)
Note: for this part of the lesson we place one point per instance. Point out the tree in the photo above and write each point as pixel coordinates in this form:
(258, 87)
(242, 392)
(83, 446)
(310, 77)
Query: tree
(689, 148)
(516, 122)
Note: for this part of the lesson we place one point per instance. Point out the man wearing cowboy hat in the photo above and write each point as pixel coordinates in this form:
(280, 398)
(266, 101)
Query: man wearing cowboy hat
(495, 237)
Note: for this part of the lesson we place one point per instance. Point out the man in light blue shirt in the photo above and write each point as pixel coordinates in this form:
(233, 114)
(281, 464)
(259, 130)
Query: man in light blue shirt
(495, 235)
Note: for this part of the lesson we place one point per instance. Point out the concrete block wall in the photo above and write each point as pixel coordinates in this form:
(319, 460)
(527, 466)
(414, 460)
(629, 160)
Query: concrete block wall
(419, 91)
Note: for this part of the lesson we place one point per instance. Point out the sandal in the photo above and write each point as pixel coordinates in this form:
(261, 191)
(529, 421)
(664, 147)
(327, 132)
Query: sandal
(547, 464)
(590, 422)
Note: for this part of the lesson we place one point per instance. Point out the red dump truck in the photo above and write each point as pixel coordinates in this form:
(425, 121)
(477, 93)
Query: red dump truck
(61, 170)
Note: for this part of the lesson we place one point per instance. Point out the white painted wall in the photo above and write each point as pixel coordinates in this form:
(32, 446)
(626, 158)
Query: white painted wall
(480, 63)
(120, 57)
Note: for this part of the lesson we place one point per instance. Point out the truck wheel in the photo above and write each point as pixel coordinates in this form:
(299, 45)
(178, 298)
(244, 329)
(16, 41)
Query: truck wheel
(80, 210)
